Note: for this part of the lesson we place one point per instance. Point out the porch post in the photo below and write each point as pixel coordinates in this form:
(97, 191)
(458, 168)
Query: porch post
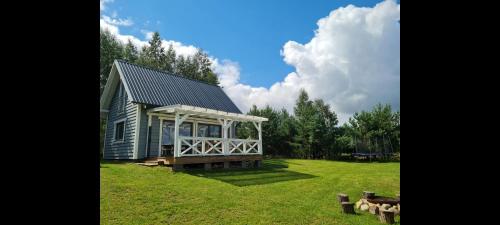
(148, 137)
(176, 135)
(224, 136)
(260, 137)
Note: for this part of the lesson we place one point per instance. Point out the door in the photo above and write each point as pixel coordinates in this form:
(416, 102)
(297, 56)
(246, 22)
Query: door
(167, 138)
(168, 135)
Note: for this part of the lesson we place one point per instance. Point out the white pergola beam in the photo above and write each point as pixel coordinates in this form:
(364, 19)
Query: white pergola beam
(210, 113)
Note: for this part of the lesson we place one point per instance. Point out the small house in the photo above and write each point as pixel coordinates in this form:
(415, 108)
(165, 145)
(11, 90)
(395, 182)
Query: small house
(157, 117)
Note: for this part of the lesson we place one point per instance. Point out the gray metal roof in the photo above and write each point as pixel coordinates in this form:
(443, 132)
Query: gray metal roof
(154, 87)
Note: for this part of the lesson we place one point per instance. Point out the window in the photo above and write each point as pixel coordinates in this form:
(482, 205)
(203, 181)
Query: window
(185, 129)
(167, 138)
(208, 130)
(122, 99)
(168, 133)
(119, 134)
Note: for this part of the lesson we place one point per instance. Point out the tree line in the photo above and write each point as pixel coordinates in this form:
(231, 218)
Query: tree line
(154, 55)
(312, 132)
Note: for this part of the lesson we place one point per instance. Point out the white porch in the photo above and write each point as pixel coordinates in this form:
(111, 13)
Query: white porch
(185, 145)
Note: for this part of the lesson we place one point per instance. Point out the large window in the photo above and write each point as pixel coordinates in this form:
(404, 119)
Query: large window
(209, 130)
(185, 129)
(119, 131)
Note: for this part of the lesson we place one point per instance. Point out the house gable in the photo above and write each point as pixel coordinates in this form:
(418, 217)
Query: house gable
(117, 112)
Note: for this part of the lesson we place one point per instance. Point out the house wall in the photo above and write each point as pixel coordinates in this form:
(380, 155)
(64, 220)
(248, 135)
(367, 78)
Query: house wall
(124, 150)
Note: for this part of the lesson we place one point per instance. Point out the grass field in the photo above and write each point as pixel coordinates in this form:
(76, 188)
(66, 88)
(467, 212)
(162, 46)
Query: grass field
(282, 192)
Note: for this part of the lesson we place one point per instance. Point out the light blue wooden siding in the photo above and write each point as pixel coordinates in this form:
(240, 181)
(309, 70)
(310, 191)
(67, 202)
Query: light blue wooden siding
(143, 132)
(124, 150)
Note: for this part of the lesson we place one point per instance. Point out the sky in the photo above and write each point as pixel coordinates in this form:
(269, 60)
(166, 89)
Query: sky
(264, 52)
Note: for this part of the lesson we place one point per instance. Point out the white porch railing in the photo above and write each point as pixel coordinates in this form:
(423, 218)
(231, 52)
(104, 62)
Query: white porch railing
(204, 146)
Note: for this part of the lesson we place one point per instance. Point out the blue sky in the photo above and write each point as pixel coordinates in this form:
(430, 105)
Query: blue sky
(344, 52)
(251, 33)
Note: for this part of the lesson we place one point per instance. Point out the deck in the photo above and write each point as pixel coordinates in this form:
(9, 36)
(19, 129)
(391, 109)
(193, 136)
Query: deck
(179, 162)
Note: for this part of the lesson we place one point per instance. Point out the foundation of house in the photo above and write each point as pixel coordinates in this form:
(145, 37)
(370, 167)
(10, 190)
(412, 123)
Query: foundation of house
(208, 162)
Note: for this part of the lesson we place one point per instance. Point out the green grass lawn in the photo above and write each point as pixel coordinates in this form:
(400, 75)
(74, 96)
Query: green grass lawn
(282, 192)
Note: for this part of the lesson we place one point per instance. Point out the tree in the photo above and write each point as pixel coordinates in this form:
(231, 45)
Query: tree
(275, 133)
(130, 52)
(378, 127)
(304, 114)
(324, 130)
(153, 55)
(170, 57)
(110, 49)
(203, 68)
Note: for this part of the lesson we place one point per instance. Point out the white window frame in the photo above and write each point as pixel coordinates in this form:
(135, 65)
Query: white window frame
(124, 120)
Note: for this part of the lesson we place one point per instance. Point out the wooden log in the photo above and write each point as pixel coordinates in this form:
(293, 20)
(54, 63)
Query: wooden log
(368, 194)
(374, 209)
(342, 198)
(348, 207)
(386, 216)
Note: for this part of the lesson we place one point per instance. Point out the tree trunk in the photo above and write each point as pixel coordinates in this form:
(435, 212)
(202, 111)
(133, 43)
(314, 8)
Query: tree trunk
(386, 216)
(343, 198)
(368, 194)
(348, 207)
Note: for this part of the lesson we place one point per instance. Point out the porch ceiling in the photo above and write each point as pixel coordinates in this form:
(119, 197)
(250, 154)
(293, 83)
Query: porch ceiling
(209, 113)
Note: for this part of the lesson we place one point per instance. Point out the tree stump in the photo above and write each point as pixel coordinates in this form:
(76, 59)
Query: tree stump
(343, 198)
(368, 194)
(348, 207)
(386, 216)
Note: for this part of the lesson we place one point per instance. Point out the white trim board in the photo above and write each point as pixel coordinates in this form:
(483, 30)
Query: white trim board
(114, 130)
(137, 132)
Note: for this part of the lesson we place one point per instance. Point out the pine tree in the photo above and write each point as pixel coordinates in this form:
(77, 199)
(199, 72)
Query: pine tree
(304, 113)
(110, 49)
(170, 57)
(130, 52)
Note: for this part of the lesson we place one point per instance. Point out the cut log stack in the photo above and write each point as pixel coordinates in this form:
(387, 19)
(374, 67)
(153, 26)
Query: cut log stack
(368, 194)
(343, 198)
(385, 212)
(374, 209)
(347, 207)
(386, 216)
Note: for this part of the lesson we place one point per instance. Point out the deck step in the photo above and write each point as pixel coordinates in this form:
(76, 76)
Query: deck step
(148, 164)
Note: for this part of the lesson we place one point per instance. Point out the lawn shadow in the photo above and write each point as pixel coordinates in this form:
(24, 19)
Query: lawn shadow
(272, 171)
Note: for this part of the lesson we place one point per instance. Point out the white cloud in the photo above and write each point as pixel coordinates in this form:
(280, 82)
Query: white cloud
(180, 48)
(117, 22)
(352, 62)
(102, 4)
(147, 34)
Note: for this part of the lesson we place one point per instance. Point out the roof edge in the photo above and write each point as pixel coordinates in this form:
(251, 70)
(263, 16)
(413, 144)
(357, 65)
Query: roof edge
(165, 72)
